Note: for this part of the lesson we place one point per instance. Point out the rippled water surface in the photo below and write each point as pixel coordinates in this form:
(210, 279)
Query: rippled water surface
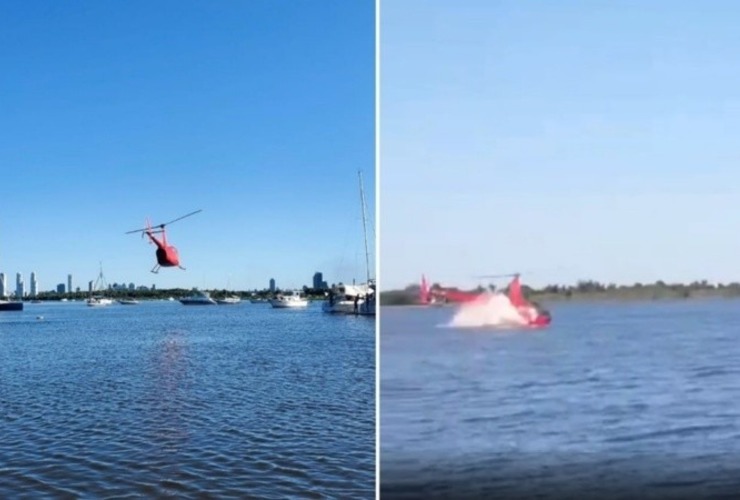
(633, 400)
(165, 399)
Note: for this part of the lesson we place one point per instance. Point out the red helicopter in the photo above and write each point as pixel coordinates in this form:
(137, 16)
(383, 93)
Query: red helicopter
(427, 295)
(534, 314)
(167, 255)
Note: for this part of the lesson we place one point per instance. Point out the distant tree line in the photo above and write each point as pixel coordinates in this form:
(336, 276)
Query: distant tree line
(585, 290)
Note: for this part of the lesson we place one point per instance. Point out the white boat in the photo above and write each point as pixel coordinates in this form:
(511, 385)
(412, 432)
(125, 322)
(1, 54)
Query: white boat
(128, 302)
(354, 299)
(350, 299)
(289, 300)
(229, 300)
(199, 298)
(99, 301)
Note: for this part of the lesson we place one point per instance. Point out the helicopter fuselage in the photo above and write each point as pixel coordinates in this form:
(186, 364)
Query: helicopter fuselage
(167, 255)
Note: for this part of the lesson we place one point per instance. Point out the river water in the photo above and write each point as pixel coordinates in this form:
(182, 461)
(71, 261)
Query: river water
(160, 399)
(611, 401)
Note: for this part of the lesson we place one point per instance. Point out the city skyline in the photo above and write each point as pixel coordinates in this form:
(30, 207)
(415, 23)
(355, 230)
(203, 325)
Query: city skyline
(65, 288)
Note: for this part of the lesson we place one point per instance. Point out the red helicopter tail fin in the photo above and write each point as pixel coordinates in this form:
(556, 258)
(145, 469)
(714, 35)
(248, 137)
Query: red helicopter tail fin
(424, 290)
(515, 293)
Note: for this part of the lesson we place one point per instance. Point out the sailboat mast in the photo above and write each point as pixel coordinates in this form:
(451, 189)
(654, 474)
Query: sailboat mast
(364, 227)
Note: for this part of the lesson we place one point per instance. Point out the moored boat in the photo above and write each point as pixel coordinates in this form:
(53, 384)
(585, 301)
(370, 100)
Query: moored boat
(351, 299)
(199, 298)
(8, 305)
(99, 301)
(99, 287)
(289, 300)
(229, 300)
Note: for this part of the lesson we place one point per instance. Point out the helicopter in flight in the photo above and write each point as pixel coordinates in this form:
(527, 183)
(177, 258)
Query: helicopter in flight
(167, 255)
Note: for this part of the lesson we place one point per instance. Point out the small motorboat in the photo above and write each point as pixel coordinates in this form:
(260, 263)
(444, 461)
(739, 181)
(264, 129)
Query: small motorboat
(229, 300)
(199, 298)
(289, 300)
(99, 301)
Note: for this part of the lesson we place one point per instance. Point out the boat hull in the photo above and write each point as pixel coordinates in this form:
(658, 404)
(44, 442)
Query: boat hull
(348, 307)
(226, 302)
(99, 302)
(11, 306)
(279, 304)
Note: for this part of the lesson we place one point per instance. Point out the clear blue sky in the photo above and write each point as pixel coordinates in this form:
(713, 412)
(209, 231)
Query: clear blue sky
(567, 140)
(259, 112)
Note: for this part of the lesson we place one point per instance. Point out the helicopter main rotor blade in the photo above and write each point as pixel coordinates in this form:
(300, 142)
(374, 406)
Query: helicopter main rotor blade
(179, 218)
(161, 226)
(492, 276)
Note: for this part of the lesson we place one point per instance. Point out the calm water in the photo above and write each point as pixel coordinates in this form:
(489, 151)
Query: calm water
(163, 399)
(639, 400)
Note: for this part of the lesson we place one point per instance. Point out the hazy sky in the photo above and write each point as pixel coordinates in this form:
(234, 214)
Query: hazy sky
(259, 112)
(566, 140)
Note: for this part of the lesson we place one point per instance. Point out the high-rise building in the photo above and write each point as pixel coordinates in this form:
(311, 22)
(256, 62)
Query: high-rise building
(20, 286)
(90, 285)
(272, 285)
(69, 283)
(3, 286)
(34, 284)
(60, 288)
(318, 281)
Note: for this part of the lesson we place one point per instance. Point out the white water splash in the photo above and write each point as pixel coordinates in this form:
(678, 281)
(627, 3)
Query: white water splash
(491, 309)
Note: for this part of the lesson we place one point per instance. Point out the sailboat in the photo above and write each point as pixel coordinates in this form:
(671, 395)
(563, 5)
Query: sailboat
(100, 284)
(230, 299)
(354, 299)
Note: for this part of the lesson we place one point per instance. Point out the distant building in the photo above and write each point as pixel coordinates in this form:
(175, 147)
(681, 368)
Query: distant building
(20, 286)
(60, 288)
(34, 285)
(272, 285)
(318, 281)
(90, 285)
(69, 283)
(3, 286)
